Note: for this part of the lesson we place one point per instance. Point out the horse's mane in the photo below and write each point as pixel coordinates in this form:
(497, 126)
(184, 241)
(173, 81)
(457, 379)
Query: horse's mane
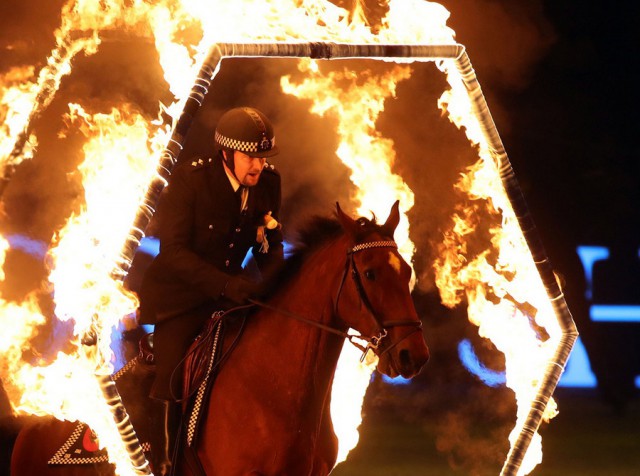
(314, 234)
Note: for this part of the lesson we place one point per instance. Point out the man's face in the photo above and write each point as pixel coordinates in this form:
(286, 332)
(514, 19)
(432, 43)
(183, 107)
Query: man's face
(248, 169)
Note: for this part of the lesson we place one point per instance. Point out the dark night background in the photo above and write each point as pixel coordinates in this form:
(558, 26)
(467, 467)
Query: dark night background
(559, 80)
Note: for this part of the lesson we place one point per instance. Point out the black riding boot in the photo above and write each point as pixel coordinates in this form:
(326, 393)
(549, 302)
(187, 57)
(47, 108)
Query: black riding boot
(166, 425)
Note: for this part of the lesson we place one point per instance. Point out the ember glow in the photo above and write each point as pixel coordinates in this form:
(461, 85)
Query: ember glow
(505, 296)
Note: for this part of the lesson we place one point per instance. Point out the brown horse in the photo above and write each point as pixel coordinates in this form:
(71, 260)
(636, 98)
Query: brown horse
(268, 412)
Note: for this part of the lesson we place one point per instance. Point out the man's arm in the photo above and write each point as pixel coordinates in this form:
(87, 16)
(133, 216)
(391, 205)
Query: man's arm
(176, 212)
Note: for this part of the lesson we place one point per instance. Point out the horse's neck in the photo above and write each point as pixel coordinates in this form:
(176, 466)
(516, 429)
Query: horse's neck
(311, 353)
(314, 289)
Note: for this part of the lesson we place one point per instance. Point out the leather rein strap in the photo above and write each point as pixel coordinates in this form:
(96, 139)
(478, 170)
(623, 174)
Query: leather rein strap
(374, 341)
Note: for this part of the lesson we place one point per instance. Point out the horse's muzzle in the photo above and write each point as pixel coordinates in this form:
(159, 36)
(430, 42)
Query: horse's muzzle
(407, 358)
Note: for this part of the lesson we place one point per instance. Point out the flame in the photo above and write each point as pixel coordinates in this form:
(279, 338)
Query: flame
(350, 383)
(501, 284)
(505, 296)
(369, 155)
(114, 174)
(17, 99)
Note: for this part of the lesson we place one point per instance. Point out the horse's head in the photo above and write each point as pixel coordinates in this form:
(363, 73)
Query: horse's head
(374, 296)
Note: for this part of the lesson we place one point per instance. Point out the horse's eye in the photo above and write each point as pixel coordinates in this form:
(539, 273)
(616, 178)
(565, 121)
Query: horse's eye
(370, 275)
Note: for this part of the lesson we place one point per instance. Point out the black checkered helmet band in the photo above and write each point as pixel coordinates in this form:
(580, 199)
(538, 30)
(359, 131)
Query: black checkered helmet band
(248, 130)
(248, 147)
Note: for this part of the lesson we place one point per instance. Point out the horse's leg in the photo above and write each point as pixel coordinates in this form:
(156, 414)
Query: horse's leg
(326, 450)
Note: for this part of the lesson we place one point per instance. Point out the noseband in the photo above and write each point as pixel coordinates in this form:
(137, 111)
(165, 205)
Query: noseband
(382, 325)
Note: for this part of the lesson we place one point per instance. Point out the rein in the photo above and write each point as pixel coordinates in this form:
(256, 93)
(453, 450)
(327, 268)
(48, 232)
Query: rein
(373, 342)
(319, 325)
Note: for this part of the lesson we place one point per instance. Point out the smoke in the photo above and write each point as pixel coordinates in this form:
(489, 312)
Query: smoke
(26, 31)
(473, 434)
(505, 40)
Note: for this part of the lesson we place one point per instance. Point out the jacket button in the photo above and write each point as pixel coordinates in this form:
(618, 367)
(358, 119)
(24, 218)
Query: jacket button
(231, 245)
(226, 263)
(211, 227)
(237, 230)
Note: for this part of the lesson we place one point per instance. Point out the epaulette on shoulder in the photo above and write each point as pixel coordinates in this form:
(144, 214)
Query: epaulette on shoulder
(270, 168)
(200, 162)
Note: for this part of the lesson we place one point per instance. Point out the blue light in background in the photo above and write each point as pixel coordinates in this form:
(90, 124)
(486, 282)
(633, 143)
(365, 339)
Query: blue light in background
(604, 312)
(589, 255)
(399, 380)
(614, 313)
(30, 246)
(577, 372)
(470, 360)
(38, 249)
(150, 245)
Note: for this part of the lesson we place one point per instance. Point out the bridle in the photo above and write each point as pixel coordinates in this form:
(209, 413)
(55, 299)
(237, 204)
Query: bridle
(374, 341)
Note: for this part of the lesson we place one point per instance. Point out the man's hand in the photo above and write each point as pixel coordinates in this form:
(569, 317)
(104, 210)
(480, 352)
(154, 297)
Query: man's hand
(240, 290)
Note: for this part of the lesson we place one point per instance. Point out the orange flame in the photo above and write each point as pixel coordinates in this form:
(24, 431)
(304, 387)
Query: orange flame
(505, 295)
(115, 173)
(16, 101)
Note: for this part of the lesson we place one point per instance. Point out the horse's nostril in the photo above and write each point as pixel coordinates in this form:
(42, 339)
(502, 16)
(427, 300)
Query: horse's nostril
(405, 359)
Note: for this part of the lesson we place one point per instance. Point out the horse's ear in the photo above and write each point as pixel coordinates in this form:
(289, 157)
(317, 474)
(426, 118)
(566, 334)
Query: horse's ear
(390, 225)
(348, 224)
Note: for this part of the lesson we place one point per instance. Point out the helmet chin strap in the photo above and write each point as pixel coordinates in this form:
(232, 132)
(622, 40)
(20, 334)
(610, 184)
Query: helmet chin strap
(231, 164)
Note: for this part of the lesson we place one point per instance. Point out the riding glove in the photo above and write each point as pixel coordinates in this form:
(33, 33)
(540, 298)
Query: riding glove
(240, 290)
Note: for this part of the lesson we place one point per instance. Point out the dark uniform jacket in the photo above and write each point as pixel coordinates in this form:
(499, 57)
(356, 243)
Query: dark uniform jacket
(204, 237)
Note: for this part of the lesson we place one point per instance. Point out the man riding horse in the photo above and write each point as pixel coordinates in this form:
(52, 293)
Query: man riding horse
(211, 213)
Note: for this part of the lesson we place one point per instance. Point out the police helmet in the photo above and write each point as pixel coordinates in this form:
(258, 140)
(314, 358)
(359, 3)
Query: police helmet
(247, 130)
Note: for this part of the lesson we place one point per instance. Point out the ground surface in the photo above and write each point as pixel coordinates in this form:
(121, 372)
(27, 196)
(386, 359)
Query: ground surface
(585, 439)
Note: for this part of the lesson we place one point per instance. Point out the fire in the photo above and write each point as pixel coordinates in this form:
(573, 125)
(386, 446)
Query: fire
(369, 155)
(17, 98)
(114, 175)
(350, 382)
(504, 293)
